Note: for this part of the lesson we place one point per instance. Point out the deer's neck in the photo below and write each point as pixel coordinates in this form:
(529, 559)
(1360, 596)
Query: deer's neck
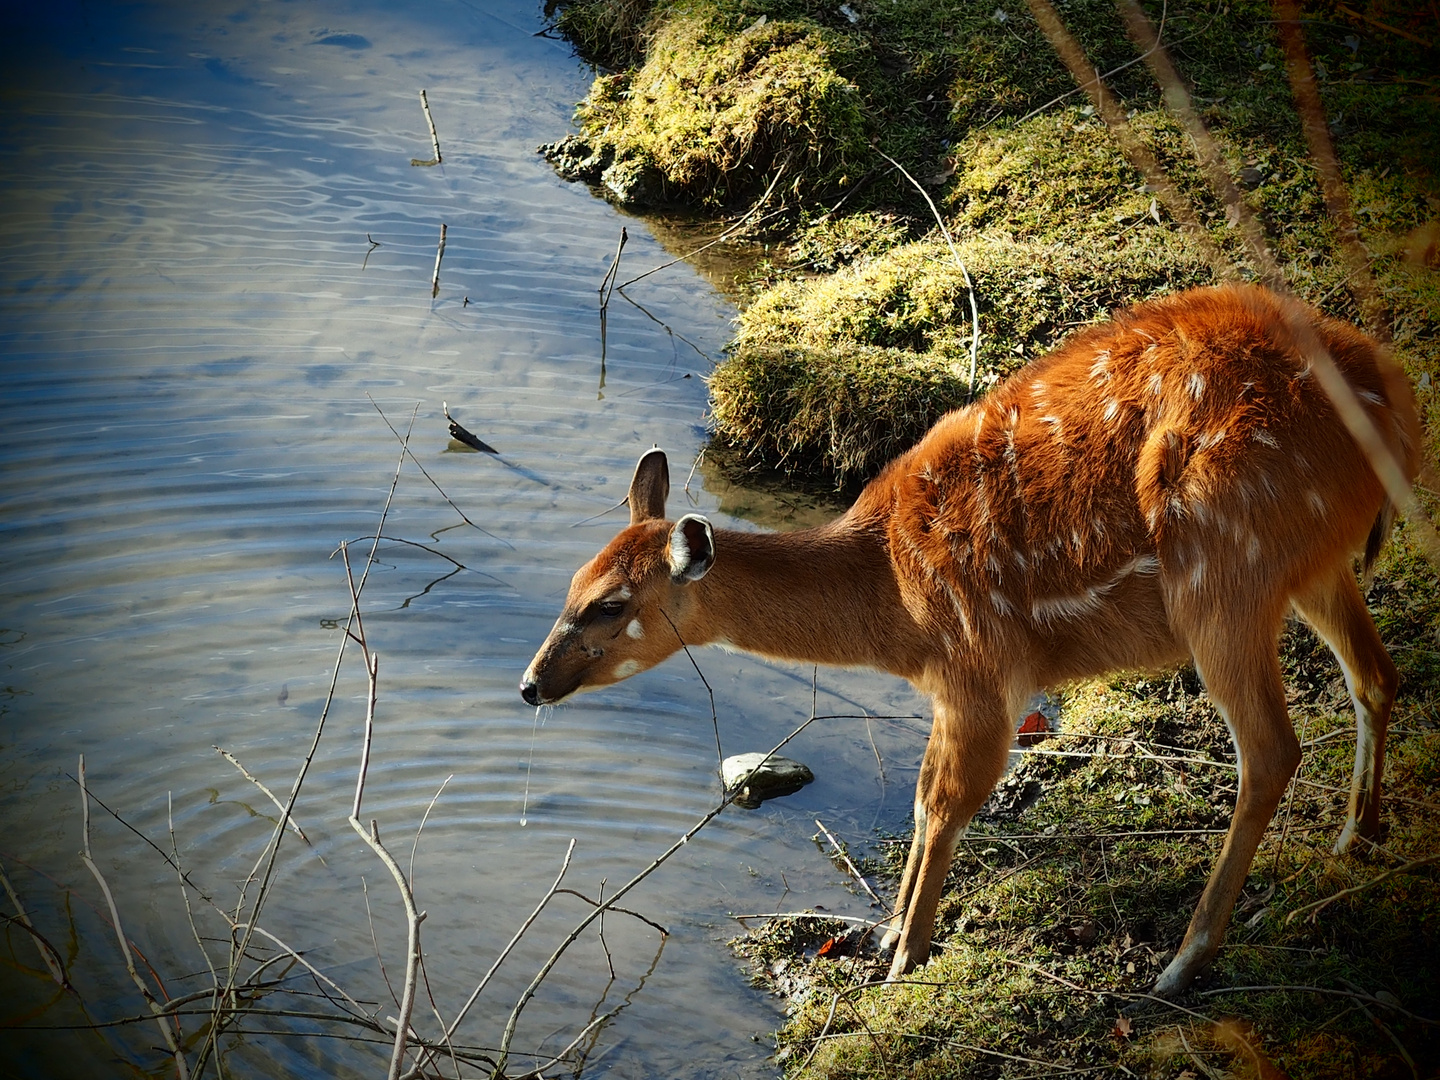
(824, 595)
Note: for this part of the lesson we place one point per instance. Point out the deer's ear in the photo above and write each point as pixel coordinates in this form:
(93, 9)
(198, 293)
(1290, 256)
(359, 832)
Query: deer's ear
(692, 549)
(649, 487)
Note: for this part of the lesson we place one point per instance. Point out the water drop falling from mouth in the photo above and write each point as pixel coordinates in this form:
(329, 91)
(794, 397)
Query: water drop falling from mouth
(529, 767)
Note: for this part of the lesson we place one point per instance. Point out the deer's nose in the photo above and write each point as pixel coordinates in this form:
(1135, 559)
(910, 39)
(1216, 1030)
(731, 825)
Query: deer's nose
(530, 691)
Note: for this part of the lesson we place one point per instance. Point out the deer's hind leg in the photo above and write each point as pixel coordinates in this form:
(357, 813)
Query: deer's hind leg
(1235, 653)
(1335, 608)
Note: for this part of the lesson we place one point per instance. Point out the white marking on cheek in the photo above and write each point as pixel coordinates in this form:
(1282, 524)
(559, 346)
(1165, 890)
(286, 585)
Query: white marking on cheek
(635, 630)
(626, 668)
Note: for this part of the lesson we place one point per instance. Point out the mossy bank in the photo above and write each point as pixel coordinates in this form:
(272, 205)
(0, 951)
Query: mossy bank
(714, 104)
(857, 332)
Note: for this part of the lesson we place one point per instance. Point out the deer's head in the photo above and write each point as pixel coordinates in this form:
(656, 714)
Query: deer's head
(624, 605)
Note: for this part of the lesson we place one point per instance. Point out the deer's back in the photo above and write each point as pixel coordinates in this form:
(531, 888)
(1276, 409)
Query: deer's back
(1186, 445)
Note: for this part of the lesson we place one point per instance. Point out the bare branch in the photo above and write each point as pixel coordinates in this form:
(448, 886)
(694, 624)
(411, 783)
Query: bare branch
(181, 1069)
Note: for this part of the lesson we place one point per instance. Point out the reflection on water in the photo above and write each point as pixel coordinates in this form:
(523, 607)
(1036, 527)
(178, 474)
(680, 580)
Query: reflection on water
(215, 276)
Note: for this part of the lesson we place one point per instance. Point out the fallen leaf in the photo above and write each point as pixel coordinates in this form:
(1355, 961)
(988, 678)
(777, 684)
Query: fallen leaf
(1032, 729)
(1123, 1028)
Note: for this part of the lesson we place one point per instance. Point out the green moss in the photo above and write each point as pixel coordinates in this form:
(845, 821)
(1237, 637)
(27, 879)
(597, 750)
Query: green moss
(847, 411)
(722, 103)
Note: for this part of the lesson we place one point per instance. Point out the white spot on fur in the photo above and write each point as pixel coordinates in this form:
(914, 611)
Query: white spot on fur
(1196, 385)
(1208, 439)
(1099, 370)
(1264, 437)
(1304, 373)
(1252, 548)
(1317, 502)
(1146, 335)
(626, 668)
(1156, 384)
(959, 606)
(1000, 604)
(635, 630)
(624, 593)
(1019, 559)
(1197, 573)
(1370, 396)
(1065, 607)
(1112, 409)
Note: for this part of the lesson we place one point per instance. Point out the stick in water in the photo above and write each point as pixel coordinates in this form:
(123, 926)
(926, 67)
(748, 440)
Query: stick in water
(460, 433)
(439, 254)
(434, 139)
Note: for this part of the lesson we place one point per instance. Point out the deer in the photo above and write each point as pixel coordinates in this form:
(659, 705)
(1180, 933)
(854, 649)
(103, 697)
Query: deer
(1164, 486)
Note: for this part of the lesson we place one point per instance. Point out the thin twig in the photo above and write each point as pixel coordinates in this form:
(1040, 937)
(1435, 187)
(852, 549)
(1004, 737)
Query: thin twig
(1137, 998)
(434, 138)
(607, 283)
(151, 1003)
(714, 716)
(424, 818)
(264, 791)
(1404, 1053)
(845, 857)
(1357, 996)
(375, 942)
(612, 907)
(724, 235)
(371, 837)
(1319, 905)
(439, 254)
(964, 273)
(185, 896)
(47, 951)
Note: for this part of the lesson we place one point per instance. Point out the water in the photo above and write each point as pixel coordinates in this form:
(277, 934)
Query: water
(215, 273)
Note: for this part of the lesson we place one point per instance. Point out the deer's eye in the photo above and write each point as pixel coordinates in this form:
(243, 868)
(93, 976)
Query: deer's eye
(610, 609)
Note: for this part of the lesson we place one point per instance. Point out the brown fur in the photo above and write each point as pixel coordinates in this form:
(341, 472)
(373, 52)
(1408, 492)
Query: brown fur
(1164, 485)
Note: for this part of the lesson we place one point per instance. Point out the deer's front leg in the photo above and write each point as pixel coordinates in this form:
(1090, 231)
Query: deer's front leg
(966, 756)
